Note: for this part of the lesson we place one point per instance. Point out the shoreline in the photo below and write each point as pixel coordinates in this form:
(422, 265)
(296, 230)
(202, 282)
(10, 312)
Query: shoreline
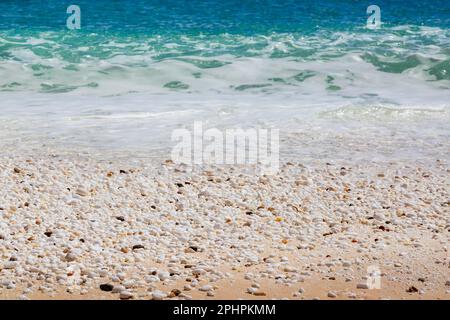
(310, 231)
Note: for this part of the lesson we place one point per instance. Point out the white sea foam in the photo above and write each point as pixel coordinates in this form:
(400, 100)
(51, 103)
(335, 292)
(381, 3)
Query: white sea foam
(144, 122)
(316, 87)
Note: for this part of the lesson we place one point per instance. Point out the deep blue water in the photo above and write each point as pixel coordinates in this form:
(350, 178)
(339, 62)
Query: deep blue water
(215, 16)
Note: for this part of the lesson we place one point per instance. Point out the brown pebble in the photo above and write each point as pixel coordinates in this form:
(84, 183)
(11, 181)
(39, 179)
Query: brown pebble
(174, 293)
(412, 289)
(260, 294)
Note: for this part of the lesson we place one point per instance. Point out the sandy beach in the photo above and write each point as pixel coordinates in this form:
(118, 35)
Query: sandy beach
(187, 150)
(75, 227)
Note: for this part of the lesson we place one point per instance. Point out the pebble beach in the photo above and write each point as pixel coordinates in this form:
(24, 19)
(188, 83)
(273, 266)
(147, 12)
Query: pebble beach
(319, 133)
(76, 227)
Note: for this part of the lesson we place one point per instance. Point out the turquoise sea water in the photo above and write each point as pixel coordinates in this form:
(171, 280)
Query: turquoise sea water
(140, 41)
(139, 67)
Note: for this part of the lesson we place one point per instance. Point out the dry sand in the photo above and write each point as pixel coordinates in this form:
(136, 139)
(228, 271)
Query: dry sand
(152, 231)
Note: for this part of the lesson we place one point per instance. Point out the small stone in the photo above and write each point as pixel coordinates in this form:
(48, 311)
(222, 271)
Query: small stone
(163, 275)
(198, 272)
(362, 286)
(289, 269)
(118, 289)
(158, 295)
(206, 287)
(81, 192)
(11, 286)
(128, 283)
(174, 293)
(70, 257)
(259, 294)
(332, 294)
(125, 295)
(5, 283)
(412, 289)
(379, 217)
(106, 287)
(251, 290)
(10, 265)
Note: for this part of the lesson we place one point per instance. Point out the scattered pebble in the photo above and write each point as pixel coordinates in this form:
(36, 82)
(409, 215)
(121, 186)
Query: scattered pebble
(125, 295)
(206, 287)
(332, 294)
(85, 224)
(106, 287)
(158, 295)
(362, 285)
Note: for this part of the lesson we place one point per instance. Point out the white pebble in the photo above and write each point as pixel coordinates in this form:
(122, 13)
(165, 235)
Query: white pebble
(206, 287)
(362, 285)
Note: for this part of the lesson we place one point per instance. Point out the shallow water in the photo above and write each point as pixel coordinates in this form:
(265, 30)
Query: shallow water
(133, 73)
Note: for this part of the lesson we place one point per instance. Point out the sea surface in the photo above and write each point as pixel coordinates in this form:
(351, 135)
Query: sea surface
(136, 70)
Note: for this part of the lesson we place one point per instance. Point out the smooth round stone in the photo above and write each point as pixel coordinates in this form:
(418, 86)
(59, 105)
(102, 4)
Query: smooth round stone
(118, 289)
(158, 295)
(125, 295)
(206, 287)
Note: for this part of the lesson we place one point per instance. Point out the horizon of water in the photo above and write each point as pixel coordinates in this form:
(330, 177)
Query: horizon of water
(136, 70)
